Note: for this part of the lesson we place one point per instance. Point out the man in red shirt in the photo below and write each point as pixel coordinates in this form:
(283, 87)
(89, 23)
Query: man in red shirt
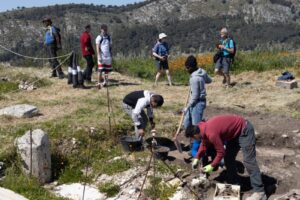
(87, 52)
(237, 133)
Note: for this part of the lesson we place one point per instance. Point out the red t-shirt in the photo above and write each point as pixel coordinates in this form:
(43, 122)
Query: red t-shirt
(216, 131)
(86, 42)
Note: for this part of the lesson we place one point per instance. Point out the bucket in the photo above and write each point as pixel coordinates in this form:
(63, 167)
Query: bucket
(161, 152)
(131, 143)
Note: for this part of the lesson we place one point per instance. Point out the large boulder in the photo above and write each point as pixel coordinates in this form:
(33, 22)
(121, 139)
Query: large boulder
(21, 110)
(41, 156)
(10, 195)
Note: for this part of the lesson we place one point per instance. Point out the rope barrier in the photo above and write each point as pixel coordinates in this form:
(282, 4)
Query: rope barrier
(34, 58)
(39, 78)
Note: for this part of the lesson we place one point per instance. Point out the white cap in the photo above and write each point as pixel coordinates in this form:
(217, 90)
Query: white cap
(162, 35)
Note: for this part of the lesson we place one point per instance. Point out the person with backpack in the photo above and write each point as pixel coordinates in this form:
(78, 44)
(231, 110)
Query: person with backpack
(227, 50)
(87, 52)
(237, 133)
(134, 104)
(104, 55)
(161, 53)
(53, 44)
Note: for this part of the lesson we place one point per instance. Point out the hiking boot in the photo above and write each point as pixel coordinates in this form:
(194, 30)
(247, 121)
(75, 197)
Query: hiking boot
(61, 76)
(258, 196)
(53, 75)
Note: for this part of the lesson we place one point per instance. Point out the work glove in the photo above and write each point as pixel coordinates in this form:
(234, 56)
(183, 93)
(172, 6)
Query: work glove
(184, 110)
(208, 169)
(195, 163)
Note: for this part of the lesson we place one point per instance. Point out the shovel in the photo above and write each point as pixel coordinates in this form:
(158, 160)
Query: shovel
(175, 139)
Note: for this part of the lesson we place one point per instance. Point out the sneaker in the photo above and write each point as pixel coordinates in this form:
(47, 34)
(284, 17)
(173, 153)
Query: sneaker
(258, 196)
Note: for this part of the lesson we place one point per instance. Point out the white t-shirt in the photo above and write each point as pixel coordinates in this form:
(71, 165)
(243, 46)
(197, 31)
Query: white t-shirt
(105, 45)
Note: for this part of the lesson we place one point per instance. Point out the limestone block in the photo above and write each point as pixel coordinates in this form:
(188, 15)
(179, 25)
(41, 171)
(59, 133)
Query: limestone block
(41, 155)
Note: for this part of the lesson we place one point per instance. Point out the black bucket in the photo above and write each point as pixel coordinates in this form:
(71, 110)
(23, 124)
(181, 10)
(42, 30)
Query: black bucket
(162, 141)
(161, 152)
(131, 143)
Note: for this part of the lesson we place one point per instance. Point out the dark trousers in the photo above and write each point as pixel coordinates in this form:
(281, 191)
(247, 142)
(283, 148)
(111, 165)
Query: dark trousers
(52, 52)
(89, 67)
(246, 142)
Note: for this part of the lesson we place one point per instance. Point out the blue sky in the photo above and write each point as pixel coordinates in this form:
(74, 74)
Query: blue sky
(10, 4)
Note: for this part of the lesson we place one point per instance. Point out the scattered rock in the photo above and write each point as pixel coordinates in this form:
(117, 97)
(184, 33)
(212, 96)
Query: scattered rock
(4, 79)
(287, 84)
(2, 168)
(24, 85)
(6, 194)
(75, 191)
(200, 182)
(21, 110)
(41, 156)
(296, 131)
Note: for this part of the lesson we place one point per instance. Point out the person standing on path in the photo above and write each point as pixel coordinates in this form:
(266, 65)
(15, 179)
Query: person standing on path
(53, 44)
(224, 62)
(161, 53)
(104, 55)
(87, 52)
(134, 104)
(238, 133)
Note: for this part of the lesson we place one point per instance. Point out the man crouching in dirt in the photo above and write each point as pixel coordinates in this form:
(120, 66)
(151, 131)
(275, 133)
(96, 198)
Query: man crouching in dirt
(237, 133)
(134, 104)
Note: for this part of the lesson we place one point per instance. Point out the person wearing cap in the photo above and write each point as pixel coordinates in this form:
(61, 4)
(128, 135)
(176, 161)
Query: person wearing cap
(238, 133)
(161, 53)
(134, 104)
(87, 52)
(104, 55)
(222, 66)
(53, 43)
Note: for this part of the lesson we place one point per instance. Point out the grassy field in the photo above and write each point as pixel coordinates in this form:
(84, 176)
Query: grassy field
(258, 61)
(67, 114)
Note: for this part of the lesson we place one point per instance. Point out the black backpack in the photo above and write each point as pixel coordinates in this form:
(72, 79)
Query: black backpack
(102, 38)
(232, 55)
(58, 34)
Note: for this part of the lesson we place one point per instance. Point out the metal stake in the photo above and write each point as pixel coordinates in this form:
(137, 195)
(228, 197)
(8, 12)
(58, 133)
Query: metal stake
(30, 135)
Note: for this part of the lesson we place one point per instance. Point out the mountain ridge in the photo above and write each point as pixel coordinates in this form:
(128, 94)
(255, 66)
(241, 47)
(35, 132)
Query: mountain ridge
(192, 25)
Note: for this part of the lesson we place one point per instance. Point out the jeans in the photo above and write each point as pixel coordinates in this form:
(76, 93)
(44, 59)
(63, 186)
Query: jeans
(52, 52)
(246, 142)
(194, 114)
(89, 68)
(143, 119)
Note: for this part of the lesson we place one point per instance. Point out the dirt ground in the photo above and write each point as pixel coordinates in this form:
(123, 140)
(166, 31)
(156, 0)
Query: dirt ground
(274, 113)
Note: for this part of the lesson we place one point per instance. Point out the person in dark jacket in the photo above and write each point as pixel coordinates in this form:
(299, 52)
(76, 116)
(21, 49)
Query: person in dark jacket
(53, 44)
(134, 104)
(237, 133)
(87, 52)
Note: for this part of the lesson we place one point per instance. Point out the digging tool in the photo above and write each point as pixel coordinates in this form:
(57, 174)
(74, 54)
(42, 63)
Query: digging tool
(175, 139)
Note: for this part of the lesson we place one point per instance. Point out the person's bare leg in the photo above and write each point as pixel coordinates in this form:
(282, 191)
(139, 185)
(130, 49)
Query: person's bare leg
(157, 77)
(221, 73)
(169, 77)
(227, 78)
